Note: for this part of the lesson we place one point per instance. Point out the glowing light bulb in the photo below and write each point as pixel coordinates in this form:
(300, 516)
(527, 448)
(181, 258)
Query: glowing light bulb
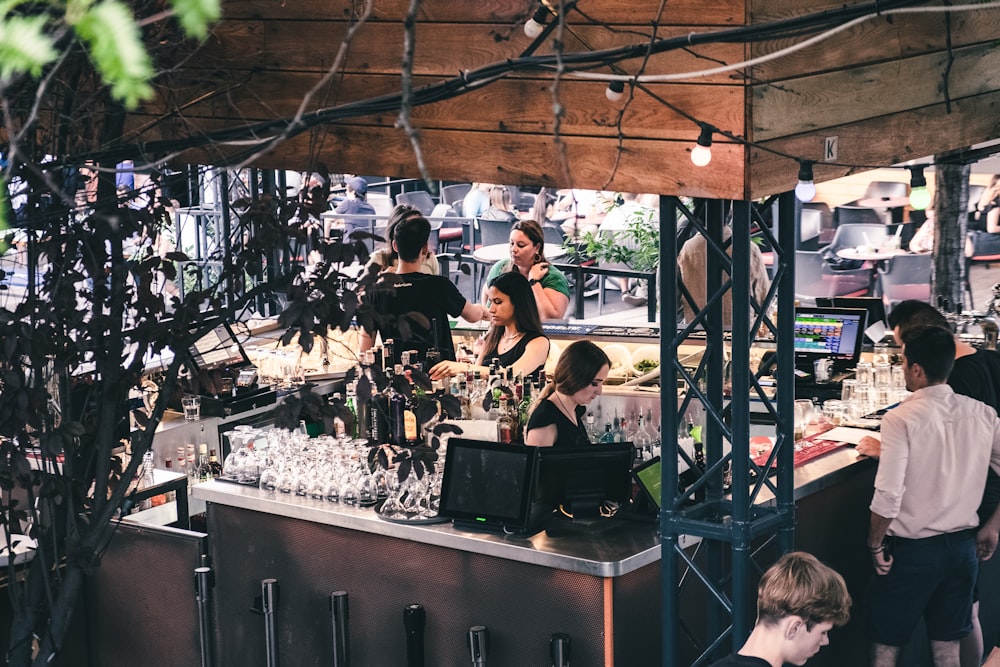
(805, 190)
(615, 90)
(701, 154)
(534, 26)
(920, 198)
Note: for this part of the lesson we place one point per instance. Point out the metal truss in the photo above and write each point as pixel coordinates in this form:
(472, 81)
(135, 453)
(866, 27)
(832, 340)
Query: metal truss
(729, 521)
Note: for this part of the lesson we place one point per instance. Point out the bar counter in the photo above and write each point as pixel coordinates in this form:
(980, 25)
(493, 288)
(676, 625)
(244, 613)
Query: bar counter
(614, 549)
(602, 587)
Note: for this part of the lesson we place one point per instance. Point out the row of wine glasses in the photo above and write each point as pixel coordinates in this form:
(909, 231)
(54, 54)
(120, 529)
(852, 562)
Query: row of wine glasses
(333, 469)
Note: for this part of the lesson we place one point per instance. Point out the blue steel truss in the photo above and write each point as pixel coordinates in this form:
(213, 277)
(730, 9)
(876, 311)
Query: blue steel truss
(729, 525)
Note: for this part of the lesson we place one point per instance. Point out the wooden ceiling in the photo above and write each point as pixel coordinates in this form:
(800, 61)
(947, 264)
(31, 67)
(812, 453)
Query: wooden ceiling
(878, 87)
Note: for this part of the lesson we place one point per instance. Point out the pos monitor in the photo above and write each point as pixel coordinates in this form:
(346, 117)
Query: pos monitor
(490, 486)
(581, 481)
(828, 333)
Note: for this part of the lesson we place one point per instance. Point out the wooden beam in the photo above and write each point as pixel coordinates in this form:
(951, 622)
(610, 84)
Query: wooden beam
(854, 95)
(614, 12)
(507, 105)
(645, 166)
(876, 40)
(886, 140)
(442, 50)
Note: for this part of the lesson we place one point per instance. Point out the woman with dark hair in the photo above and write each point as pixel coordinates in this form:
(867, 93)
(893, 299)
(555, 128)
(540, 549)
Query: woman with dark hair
(385, 258)
(527, 257)
(514, 339)
(557, 419)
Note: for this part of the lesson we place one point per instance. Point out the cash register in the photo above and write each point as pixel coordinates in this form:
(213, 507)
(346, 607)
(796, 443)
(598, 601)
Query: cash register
(823, 332)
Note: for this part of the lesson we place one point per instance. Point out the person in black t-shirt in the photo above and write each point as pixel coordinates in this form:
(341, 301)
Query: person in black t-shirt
(798, 601)
(411, 307)
(557, 418)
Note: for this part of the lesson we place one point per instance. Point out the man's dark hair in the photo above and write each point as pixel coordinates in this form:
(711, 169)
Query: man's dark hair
(914, 313)
(411, 235)
(933, 348)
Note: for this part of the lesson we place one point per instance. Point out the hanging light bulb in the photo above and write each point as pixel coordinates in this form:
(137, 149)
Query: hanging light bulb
(701, 154)
(920, 197)
(534, 26)
(805, 190)
(615, 90)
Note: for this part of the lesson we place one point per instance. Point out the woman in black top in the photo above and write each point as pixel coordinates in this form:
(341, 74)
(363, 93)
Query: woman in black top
(578, 379)
(515, 338)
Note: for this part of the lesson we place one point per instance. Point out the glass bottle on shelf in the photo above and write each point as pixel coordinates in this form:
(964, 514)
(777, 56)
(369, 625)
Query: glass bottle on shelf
(592, 433)
(214, 467)
(505, 423)
(168, 464)
(642, 441)
(618, 431)
(608, 437)
(388, 354)
(204, 471)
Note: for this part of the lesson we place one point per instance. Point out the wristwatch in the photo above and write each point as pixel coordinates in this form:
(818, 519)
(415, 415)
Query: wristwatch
(533, 281)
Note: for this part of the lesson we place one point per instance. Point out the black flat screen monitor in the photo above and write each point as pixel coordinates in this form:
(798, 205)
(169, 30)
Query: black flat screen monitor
(219, 348)
(489, 485)
(581, 480)
(828, 333)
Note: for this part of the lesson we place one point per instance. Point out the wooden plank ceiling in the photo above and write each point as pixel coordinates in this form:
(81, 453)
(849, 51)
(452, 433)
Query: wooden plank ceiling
(877, 87)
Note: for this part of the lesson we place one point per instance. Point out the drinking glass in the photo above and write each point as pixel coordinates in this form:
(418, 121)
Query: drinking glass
(834, 411)
(192, 407)
(803, 415)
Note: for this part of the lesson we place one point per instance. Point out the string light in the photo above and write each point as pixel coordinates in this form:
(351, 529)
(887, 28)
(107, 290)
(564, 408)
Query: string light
(701, 154)
(615, 90)
(534, 26)
(805, 190)
(920, 197)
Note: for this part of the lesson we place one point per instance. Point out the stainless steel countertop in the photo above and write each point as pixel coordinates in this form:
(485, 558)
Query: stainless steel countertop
(608, 550)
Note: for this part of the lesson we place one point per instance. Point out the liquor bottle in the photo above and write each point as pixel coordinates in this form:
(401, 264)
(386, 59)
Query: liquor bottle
(476, 398)
(608, 437)
(351, 404)
(204, 471)
(619, 434)
(402, 419)
(464, 383)
(522, 411)
(433, 354)
(642, 441)
(169, 465)
(181, 458)
(191, 466)
(388, 354)
(505, 424)
(592, 433)
(214, 467)
(378, 418)
(148, 480)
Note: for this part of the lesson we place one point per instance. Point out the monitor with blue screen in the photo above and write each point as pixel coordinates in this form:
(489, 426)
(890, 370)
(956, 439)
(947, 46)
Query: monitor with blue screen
(828, 333)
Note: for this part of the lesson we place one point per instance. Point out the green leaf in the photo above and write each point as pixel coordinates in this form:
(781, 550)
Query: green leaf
(113, 38)
(24, 46)
(195, 15)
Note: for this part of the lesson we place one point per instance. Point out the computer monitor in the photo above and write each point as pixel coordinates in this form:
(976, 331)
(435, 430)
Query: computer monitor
(828, 333)
(648, 476)
(580, 481)
(489, 486)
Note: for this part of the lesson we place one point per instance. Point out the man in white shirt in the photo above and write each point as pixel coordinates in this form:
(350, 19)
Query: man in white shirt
(936, 447)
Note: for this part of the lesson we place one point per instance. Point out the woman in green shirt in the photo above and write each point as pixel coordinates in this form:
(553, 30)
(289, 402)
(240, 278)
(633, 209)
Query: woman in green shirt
(527, 257)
